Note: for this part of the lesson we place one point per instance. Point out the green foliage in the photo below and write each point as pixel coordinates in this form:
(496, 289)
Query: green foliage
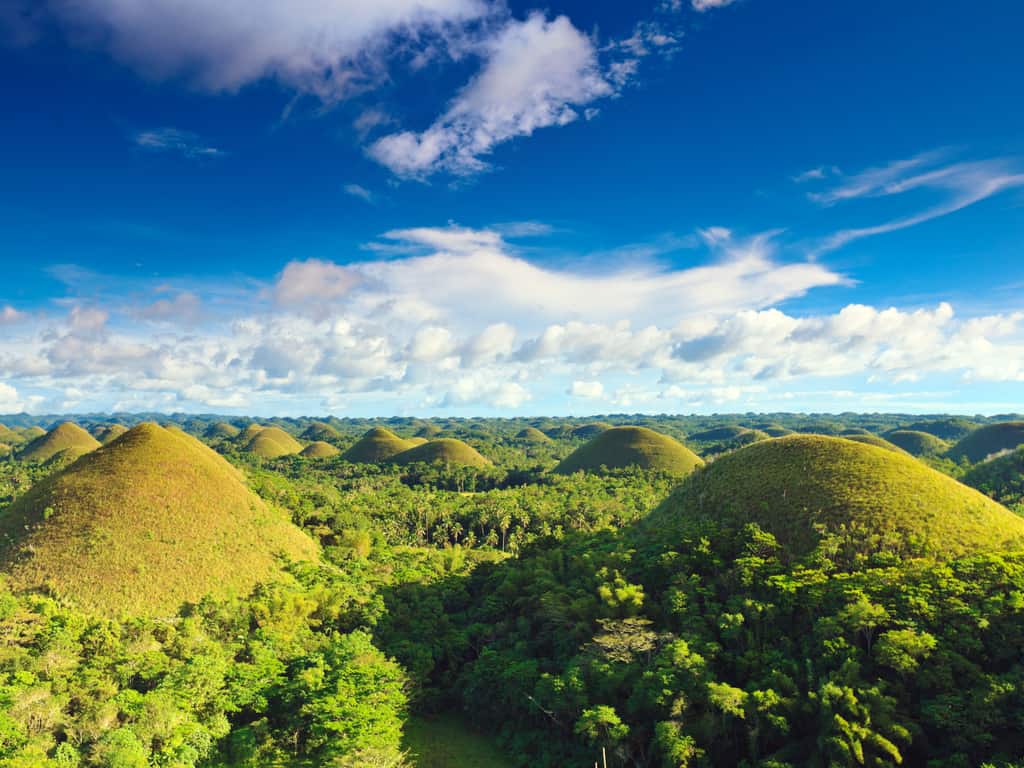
(445, 450)
(379, 444)
(987, 441)
(917, 443)
(1001, 478)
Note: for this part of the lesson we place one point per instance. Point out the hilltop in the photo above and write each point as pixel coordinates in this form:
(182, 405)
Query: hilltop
(532, 435)
(318, 430)
(587, 431)
(1001, 478)
(143, 524)
(446, 450)
(67, 439)
(319, 450)
(272, 442)
(109, 432)
(988, 440)
(875, 440)
(631, 446)
(917, 443)
(222, 430)
(379, 444)
(793, 487)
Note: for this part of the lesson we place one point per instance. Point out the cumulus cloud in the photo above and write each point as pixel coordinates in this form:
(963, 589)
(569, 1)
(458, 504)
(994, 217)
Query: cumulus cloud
(328, 48)
(313, 281)
(538, 73)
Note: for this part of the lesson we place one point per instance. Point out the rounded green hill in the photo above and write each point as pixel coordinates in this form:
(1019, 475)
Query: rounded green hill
(379, 444)
(949, 429)
(31, 433)
(9, 436)
(222, 431)
(68, 439)
(620, 447)
(246, 435)
(110, 432)
(318, 430)
(532, 435)
(319, 450)
(272, 442)
(445, 450)
(141, 525)
(988, 440)
(917, 443)
(718, 434)
(801, 486)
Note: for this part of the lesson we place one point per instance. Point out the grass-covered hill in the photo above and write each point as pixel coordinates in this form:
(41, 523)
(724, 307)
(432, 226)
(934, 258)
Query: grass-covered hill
(631, 446)
(141, 525)
(917, 443)
(587, 431)
(875, 440)
(1001, 478)
(532, 435)
(718, 434)
(272, 442)
(949, 429)
(9, 436)
(988, 440)
(319, 450)
(221, 430)
(245, 436)
(31, 433)
(379, 444)
(318, 430)
(108, 433)
(67, 439)
(799, 487)
(444, 450)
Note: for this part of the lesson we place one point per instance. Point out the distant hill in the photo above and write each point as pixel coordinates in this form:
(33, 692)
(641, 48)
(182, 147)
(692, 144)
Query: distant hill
(1001, 478)
(587, 431)
(68, 439)
(532, 435)
(110, 432)
(988, 440)
(620, 447)
(379, 444)
(272, 442)
(917, 443)
(221, 430)
(445, 450)
(319, 450)
(143, 524)
(948, 429)
(875, 440)
(9, 437)
(246, 435)
(795, 487)
(717, 434)
(318, 430)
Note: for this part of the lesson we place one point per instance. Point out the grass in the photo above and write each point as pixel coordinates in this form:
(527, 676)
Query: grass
(379, 444)
(445, 450)
(271, 442)
(222, 430)
(142, 525)
(796, 487)
(110, 432)
(631, 446)
(917, 443)
(319, 450)
(875, 440)
(447, 742)
(320, 431)
(68, 439)
(532, 435)
(1001, 478)
(718, 434)
(949, 429)
(987, 441)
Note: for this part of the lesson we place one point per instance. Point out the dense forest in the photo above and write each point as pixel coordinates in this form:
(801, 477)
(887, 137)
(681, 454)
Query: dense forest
(748, 590)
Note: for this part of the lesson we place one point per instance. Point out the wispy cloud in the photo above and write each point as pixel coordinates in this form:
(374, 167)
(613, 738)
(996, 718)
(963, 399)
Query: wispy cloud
(963, 183)
(707, 5)
(357, 190)
(174, 140)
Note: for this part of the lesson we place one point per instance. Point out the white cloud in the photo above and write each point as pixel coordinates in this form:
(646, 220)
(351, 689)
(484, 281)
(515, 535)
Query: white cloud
(356, 190)
(185, 308)
(537, 74)
(590, 390)
(314, 281)
(962, 185)
(328, 48)
(184, 143)
(9, 400)
(707, 5)
(9, 314)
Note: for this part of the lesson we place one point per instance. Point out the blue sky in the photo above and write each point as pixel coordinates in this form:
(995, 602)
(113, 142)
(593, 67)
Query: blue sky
(469, 207)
